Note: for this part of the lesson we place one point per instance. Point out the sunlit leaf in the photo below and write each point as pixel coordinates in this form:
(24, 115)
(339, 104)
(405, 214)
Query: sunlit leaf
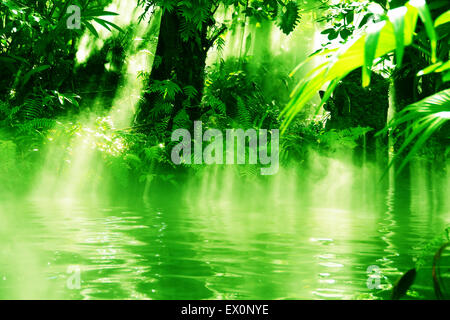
(370, 47)
(397, 18)
(425, 118)
(446, 77)
(91, 28)
(425, 16)
(98, 13)
(349, 57)
(429, 69)
(112, 25)
(444, 67)
(442, 19)
(102, 23)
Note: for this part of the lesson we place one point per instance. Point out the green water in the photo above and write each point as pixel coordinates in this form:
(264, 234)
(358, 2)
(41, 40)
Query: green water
(297, 237)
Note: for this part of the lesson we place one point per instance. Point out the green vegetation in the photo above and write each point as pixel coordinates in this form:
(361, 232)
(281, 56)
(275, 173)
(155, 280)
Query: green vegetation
(88, 107)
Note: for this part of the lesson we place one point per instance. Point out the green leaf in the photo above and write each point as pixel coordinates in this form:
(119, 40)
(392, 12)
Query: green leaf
(426, 117)
(27, 76)
(7, 60)
(397, 18)
(446, 77)
(98, 13)
(370, 48)
(444, 67)
(102, 23)
(190, 91)
(349, 57)
(403, 284)
(12, 5)
(113, 25)
(442, 19)
(333, 35)
(91, 28)
(329, 91)
(437, 67)
(425, 16)
(365, 20)
(327, 31)
(429, 69)
(248, 43)
(290, 18)
(345, 33)
(349, 17)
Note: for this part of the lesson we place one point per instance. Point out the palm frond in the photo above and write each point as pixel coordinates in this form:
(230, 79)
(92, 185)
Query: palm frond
(392, 34)
(422, 119)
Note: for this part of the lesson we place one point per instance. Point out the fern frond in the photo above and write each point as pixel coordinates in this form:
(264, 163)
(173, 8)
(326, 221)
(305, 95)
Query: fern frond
(243, 114)
(36, 125)
(289, 18)
(31, 109)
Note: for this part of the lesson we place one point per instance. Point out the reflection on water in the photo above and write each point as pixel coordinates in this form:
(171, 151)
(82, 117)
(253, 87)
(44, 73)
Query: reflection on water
(295, 237)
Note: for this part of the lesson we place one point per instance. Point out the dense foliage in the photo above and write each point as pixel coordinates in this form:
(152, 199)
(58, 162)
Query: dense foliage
(42, 88)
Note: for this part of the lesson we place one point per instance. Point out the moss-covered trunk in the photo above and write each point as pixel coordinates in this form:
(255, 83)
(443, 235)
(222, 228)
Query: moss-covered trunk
(182, 62)
(353, 106)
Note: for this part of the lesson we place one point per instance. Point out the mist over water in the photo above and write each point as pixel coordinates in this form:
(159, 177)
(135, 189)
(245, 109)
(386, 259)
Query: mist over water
(309, 232)
(72, 168)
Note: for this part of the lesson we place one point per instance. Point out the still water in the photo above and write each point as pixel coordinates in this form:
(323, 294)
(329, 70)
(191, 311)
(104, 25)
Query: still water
(297, 237)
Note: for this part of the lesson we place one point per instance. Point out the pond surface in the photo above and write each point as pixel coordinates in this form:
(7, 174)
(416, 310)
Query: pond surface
(315, 244)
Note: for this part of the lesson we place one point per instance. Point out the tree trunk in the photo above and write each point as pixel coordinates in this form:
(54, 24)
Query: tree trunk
(182, 62)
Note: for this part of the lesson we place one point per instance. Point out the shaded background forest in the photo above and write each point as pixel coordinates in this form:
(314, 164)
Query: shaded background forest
(227, 63)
